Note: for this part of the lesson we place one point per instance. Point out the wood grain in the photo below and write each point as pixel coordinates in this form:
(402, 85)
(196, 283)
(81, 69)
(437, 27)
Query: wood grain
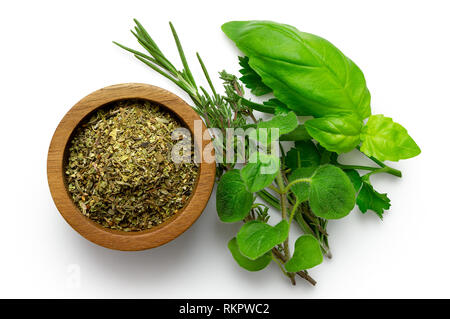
(116, 239)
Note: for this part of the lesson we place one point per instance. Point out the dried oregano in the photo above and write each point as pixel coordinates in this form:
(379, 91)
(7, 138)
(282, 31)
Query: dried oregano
(119, 170)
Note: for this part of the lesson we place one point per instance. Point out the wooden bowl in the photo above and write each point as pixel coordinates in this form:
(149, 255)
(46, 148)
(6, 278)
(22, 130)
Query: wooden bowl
(116, 239)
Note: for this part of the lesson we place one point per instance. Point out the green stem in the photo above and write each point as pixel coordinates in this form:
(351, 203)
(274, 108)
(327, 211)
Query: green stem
(294, 209)
(269, 199)
(283, 212)
(388, 170)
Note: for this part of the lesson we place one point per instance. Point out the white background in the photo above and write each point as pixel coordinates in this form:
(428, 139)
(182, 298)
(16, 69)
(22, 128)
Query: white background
(55, 52)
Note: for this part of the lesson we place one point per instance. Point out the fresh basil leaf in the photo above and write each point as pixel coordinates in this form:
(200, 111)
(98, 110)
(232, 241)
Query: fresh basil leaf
(251, 79)
(332, 194)
(306, 72)
(260, 171)
(336, 134)
(298, 134)
(233, 201)
(386, 140)
(307, 254)
(246, 263)
(355, 178)
(256, 238)
(369, 198)
(304, 154)
(302, 189)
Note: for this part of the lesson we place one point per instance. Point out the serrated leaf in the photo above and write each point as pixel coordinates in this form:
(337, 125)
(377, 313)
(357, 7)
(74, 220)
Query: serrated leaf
(304, 154)
(369, 199)
(256, 238)
(384, 139)
(246, 263)
(260, 171)
(233, 200)
(337, 134)
(251, 79)
(332, 194)
(280, 107)
(307, 254)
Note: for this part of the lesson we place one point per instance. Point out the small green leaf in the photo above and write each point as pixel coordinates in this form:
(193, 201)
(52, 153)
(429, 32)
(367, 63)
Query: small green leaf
(354, 178)
(304, 154)
(307, 254)
(251, 79)
(336, 134)
(298, 134)
(256, 238)
(246, 263)
(332, 195)
(268, 131)
(369, 198)
(233, 201)
(302, 189)
(284, 122)
(386, 140)
(260, 171)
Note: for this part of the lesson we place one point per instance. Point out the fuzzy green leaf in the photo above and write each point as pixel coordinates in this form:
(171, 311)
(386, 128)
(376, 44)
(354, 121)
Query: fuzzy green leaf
(302, 189)
(307, 254)
(251, 79)
(332, 194)
(386, 140)
(260, 171)
(246, 263)
(256, 238)
(336, 134)
(369, 198)
(233, 200)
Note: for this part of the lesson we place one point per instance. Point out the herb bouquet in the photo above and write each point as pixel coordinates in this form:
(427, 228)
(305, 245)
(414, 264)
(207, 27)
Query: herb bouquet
(308, 185)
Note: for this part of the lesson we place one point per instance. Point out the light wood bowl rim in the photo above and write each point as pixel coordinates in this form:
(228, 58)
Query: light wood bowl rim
(116, 239)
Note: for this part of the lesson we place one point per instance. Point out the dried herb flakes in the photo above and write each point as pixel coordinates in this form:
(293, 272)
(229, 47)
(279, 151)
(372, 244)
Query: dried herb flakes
(119, 170)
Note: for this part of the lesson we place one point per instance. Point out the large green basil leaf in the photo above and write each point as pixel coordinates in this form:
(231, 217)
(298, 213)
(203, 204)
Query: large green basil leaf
(260, 171)
(256, 238)
(306, 72)
(233, 201)
(336, 134)
(331, 194)
(386, 140)
(246, 263)
(307, 254)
